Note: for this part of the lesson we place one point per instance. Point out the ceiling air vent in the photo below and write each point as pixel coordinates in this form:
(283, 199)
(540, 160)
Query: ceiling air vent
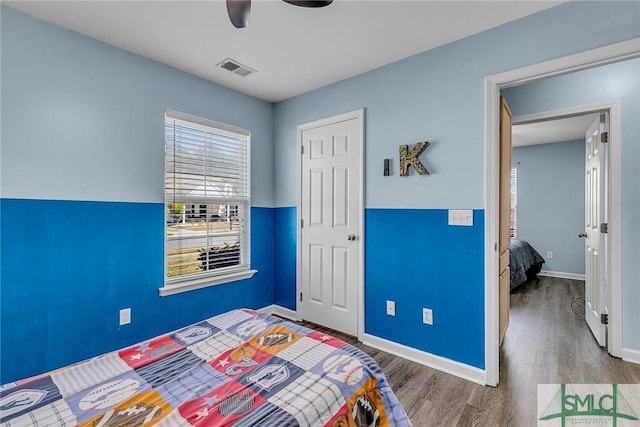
(236, 67)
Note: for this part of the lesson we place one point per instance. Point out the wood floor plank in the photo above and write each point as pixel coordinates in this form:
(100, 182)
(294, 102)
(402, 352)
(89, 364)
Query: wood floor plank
(546, 343)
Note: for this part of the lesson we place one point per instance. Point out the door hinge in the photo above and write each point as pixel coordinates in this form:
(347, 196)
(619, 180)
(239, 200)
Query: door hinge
(604, 318)
(301, 223)
(604, 227)
(300, 296)
(604, 137)
(302, 150)
(495, 246)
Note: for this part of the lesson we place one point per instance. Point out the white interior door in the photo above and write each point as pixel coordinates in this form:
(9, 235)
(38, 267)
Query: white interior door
(330, 214)
(595, 179)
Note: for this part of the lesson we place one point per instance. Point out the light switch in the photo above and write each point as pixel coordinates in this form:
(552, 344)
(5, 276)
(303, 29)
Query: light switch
(461, 217)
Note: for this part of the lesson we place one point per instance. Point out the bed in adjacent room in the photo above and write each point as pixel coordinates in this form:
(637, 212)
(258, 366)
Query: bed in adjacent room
(524, 262)
(240, 368)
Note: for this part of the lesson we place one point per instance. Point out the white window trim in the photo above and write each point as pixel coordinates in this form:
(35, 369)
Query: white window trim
(207, 123)
(205, 282)
(172, 287)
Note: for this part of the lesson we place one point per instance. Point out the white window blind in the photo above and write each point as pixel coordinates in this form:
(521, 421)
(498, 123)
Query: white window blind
(206, 199)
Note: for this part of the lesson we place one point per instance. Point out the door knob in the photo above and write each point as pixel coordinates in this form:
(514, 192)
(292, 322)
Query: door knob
(582, 235)
(351, 237)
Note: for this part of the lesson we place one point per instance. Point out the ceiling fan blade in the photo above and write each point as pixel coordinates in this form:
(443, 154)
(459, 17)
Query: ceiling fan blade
(312, 3)
(239, 11)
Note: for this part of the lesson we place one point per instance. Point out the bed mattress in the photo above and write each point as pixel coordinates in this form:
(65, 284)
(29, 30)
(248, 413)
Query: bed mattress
(240, 368)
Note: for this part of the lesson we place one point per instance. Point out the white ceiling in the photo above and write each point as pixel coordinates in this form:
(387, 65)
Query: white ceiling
(294, 49)
(558, 130)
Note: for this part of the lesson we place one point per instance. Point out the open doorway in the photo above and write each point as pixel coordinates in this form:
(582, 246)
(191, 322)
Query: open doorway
(552, 214)
(548, 196)
(569, 184)
(559, 104)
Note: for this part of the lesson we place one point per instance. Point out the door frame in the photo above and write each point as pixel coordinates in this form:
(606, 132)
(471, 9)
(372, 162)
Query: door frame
(617, 52)
(359, 115)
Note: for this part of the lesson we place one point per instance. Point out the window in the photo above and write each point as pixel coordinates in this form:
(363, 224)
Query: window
(206, 203)
(514, 201)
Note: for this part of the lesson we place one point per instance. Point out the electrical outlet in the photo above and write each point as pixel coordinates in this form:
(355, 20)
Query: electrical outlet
(549, 255)
(125, 316)
(391, 308)
(427, 316)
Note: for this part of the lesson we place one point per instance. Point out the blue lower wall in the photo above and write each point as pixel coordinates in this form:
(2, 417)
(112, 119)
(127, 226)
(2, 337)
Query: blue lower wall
(413, 257)
(285, 258)
(68, 267)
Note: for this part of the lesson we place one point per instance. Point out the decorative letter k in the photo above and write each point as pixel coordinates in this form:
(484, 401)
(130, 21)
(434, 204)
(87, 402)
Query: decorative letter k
(411, 158)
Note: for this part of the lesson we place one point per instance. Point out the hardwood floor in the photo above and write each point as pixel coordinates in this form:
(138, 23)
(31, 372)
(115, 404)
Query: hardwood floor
(546, 343)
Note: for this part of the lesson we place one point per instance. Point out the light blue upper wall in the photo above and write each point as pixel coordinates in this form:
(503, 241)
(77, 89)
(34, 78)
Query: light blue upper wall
(82, 127)
(550, 211)
(438, 96)
(599, 85)
(83, 120)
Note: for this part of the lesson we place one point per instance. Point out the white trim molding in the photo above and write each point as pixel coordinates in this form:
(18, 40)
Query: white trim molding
(464, 371)
(562, 275)
(443, 364)
(205, 282)
(278, 310)
(617, 52)
(629, 355)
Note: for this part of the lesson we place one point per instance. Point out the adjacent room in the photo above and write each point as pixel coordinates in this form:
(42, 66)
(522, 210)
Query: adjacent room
(299, 213)
(548, 213)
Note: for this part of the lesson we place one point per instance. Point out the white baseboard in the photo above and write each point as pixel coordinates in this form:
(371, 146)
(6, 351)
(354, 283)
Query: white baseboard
(562, 275)
(629, 355)
(449, 366)
(458, 369)
(280, 311)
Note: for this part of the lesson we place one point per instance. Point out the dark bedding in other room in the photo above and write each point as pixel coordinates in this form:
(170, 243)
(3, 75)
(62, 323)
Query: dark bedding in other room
(524, 262)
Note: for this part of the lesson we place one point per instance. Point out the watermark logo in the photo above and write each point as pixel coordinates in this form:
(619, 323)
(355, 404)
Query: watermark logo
(615, 405)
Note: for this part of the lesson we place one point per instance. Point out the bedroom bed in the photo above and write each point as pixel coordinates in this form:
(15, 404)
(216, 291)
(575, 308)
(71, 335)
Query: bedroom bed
(524, 262)
(240, 368)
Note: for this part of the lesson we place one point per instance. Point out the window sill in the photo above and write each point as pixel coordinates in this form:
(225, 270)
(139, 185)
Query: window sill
(205, 282)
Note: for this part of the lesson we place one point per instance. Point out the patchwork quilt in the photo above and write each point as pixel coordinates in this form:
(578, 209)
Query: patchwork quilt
(240, 368)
